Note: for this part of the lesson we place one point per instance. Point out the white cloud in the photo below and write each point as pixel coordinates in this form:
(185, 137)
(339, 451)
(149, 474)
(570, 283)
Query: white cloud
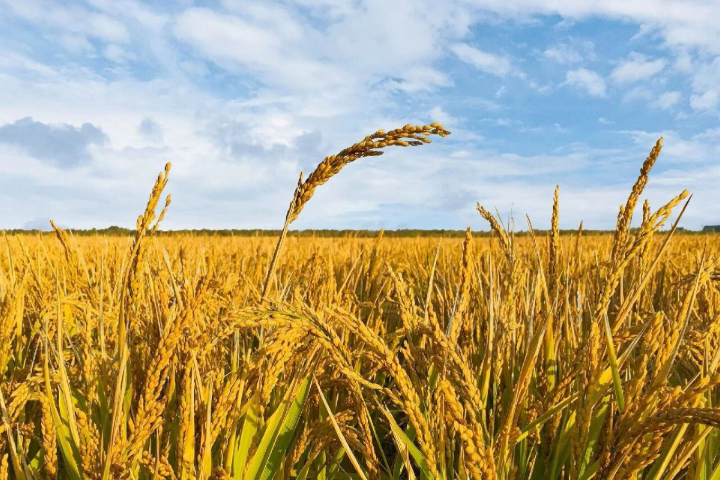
(438, 114)
(676, 149)
(13, 63)
(275, 48)
(637, 93)
(707, 100)
(706, 86)
(63, 145)
(418, 79)
(680, 23)
(250, 93)
(637, 67)
(285, 50)
(605, 121)
(573, 51)
(587, 80)
(78, 21)
(563, 54)
(667, 100)
(683, 61)
(106, 28)
(117, 54)
(483, 61)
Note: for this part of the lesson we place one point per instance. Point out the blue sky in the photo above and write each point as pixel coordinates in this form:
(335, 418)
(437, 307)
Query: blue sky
(242, 96)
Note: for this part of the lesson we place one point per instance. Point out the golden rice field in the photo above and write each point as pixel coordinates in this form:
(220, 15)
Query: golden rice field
(507, 357)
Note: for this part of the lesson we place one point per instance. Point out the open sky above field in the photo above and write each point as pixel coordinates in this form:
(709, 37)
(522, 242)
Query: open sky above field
(241, 96)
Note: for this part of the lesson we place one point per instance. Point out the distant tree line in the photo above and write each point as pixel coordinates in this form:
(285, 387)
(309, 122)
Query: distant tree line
(323, 233)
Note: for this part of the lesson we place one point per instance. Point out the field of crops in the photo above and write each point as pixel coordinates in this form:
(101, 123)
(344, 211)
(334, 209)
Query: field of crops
(518, 356)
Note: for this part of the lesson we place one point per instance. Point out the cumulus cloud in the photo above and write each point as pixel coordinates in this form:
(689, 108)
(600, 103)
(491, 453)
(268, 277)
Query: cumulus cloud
(706, 86)
(587, 80)
(483, 61)
(284, 49)
(699, 148)
(438, 114)
(667, 100)
(61, 145)
(563, 54)
(637, 67)
(273, 47)
(573, 51)
(237, 140)
(243, 90)
(706, 100)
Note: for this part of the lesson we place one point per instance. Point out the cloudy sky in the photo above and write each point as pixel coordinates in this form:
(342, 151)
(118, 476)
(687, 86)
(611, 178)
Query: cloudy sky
(242, 96)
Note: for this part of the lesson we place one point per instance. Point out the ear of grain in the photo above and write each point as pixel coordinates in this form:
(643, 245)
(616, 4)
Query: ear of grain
(626, 213)
(370, 146)
(386, 357)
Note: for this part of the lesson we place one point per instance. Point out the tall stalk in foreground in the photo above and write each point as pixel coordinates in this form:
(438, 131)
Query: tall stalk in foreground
(369, 146)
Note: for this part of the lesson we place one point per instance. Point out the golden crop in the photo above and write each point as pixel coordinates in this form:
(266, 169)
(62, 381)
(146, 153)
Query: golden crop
(518, 356)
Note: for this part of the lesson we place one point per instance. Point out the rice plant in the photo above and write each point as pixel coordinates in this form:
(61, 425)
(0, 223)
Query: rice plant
(523, 355)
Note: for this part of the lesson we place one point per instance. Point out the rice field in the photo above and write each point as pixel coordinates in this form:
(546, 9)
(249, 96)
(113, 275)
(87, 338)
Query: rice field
(514, 356)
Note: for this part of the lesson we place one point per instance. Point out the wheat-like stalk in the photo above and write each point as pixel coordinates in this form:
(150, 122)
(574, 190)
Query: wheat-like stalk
(370, 146)
(594, 355)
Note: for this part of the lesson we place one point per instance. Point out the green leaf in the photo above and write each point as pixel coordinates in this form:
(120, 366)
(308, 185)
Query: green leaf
(668, 451)
(716, 473)
(305, 470)
(614, 366)
(415, 452)
(558, 407)
(249, 429)
(595, 428)
(561, 444)
(69, 449)
(279, 430)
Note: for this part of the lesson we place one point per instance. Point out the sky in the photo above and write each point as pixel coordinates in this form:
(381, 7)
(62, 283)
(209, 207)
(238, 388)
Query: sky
(241, 96)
